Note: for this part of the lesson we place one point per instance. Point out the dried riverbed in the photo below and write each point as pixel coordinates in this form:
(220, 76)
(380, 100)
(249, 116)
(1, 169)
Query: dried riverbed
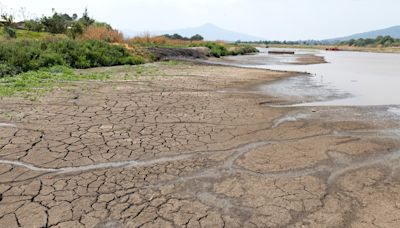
(188, 145)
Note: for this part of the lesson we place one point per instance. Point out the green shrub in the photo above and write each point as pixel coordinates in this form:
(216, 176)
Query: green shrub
(243, 50)
(6, 69)
(49, 59)
(34, 25)
(133, 60)
(26, 55)
(10, 32)
(220, 49)
(217, 50)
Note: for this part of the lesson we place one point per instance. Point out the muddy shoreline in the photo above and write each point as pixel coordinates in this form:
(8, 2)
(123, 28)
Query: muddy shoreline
(254, 60)
(186, 144)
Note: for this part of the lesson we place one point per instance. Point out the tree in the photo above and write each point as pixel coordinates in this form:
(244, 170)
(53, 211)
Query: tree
(75, 29)
(85, 19)
(8, 23)
(8, 19)
(34, 25)
(58, 23)
(177, 37)
(197, 37)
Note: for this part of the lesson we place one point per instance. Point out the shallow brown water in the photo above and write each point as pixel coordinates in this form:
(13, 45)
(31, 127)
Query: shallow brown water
(349, 78)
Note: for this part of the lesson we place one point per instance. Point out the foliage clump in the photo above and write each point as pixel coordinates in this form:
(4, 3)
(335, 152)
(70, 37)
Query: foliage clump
(8, 21)
(61, 23)
(219, 49)
(176, 36)
(18, 56)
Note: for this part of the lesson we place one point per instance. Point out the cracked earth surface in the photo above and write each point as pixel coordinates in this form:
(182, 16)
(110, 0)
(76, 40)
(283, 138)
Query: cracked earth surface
(187, 145)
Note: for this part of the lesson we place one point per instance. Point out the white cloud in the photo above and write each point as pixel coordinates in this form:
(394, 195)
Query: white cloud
(274, 19)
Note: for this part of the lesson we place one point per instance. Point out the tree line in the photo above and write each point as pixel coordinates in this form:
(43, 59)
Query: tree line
(380, 41)
(57, 23)
(176, 36)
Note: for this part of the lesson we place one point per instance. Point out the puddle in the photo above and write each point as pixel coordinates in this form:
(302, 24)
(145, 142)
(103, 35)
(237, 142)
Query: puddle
(7, 125)
(123, 164)
(340, 165)
(289, 118)
(394, 110)
(390, 160)
(236, 153)
(302, 89)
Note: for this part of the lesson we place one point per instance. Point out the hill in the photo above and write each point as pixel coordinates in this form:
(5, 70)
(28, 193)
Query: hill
(391, 31)
(208, 31)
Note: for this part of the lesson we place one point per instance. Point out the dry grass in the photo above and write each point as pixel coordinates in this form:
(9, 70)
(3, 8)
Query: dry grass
(102, 33)
(146, 39)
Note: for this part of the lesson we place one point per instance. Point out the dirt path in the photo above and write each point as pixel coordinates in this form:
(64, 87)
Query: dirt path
(186, 145)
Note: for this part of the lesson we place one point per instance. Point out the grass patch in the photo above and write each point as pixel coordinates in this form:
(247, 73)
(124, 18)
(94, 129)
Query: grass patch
(35, 83)
(171, 63)
(145, 70)
(21, 34)
(25, 34)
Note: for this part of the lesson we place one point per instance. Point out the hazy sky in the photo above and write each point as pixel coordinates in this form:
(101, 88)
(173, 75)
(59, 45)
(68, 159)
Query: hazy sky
(272, 19)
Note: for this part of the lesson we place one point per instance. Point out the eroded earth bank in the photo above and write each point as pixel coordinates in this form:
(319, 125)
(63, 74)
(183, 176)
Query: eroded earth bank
(188, 145)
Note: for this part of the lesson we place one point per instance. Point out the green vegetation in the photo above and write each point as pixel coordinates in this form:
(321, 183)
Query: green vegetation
(42, 51)
(18, 56)
(243, 50)
(33, 83)
(61, 23)
(380, 41)
(9, 32)
(171, 63)
(58, 23)
(217, 49)
(175, 36)
(220, 49)
(25, 34)
(8, 21)
(284, 42)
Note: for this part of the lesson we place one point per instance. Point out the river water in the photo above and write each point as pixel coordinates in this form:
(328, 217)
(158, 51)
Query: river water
(348, 79)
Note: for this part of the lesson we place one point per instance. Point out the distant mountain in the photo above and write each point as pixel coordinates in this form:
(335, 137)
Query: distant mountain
(392, 31)
(208, 31)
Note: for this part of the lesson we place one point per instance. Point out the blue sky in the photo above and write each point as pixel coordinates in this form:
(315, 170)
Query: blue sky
(272, 19)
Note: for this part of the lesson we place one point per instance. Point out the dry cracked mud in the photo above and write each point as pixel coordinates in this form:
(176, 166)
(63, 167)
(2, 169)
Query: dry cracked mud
(192, 145)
